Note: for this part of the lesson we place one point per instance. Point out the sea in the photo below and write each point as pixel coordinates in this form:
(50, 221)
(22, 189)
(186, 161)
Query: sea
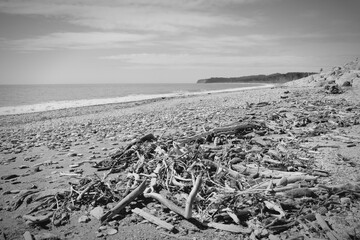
(18, 99)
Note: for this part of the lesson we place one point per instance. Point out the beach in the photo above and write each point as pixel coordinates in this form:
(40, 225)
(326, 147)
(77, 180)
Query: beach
(39, 148)
(18, 99)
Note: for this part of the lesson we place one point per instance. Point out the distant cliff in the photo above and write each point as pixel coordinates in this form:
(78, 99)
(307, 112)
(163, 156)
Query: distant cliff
(272, 78)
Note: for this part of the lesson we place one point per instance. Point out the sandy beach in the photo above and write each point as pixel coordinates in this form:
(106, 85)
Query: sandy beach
(39, 149)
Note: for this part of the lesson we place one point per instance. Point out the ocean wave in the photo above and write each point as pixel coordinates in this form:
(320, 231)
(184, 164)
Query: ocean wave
(56, 105)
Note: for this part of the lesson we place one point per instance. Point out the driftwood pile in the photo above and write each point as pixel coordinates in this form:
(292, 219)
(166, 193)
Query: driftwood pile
(254, 177)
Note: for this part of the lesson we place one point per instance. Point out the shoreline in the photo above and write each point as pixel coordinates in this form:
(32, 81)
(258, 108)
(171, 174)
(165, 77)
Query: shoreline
(50, 149)
(60, 105)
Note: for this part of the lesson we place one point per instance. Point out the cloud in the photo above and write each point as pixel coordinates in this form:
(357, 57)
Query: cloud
(195, 60)
(234, 45)
(76, 40)
(138, 15)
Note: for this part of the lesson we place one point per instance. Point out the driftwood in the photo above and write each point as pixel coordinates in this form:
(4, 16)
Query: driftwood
(238, 128)
(153, 219)
(332, 235)
(187, 212)
(38, 219)
(124, 202)
(20, 198)
(230, 228)
(70, 174)
(148, 137)
(85, 191)
(351, 186)
(300, 192)
(167, 203)
(191, 198)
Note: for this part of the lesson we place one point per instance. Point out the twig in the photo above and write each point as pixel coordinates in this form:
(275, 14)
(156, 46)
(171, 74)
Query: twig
(85, 190)
(70, 174)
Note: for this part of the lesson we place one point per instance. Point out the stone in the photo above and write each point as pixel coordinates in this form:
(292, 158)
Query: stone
(8, 177)
(111, 231)
(345, 201)
(346, 84)
(36, 169)
(84, 219)
(102, 228)
(97, 212)
(99, 235)
(47, 236)
(27, 236)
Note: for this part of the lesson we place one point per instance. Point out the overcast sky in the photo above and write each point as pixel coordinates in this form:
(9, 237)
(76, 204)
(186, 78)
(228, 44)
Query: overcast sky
(171, 41)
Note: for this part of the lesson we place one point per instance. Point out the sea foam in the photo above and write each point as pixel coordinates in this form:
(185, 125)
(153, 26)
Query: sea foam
(56, 105)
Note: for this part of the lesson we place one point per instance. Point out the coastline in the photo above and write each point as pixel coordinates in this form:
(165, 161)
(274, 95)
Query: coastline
(50, 106)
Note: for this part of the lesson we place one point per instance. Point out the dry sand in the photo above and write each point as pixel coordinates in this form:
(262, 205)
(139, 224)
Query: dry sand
(55, 140)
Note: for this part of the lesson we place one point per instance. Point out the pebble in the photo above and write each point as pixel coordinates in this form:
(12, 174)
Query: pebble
(97, 212)
(15, 191)
(36, 169)
(47, 236)
(27, 236)
(345, 201)
(110, 205)
(99, 235)
(111, 231)
(74, 165)
(264, 233)
(10, 176)
(102, 228)
(84, 219)
(113, 223)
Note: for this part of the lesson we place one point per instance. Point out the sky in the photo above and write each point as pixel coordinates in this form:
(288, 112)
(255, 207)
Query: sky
(171, 41)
